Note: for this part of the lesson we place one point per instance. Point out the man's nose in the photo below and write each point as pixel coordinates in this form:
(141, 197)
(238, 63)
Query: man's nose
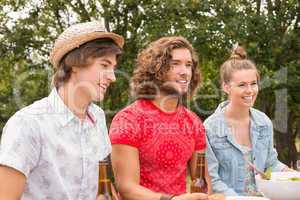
(184, 70)
(111, 76)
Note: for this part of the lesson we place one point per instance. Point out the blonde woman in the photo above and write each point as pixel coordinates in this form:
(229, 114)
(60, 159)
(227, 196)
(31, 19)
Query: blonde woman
(237, 133)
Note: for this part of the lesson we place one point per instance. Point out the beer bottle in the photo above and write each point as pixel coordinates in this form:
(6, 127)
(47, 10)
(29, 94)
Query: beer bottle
(199, 183)
(104, 187)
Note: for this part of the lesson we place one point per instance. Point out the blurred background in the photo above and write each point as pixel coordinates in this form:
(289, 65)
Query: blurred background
(268, 29)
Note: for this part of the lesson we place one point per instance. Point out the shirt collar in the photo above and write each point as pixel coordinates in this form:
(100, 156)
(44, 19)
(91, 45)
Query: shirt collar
(63, 113)
(91, 113)
(255, 118)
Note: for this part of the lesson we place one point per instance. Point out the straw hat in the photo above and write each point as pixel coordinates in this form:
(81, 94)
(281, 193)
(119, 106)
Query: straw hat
(78, 34)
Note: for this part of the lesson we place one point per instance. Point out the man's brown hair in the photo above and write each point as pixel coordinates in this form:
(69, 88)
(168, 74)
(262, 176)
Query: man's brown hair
(80, 57)
(153, 63)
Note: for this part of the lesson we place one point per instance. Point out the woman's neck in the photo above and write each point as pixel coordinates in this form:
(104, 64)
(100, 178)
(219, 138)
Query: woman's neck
(238, 120)
(237, 113)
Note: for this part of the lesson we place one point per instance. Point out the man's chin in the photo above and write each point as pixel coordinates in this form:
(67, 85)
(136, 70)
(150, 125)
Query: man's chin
(98, 98)
(173, 91)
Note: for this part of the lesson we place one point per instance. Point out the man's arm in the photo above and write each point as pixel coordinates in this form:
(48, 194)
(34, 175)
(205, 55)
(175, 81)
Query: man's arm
(12, 183)
(126, 167)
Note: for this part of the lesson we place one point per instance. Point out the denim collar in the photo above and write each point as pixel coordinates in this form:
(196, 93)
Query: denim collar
(255, 118)
(256, 124)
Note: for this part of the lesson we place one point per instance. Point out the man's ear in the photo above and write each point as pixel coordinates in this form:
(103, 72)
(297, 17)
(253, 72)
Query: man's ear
(226, 87)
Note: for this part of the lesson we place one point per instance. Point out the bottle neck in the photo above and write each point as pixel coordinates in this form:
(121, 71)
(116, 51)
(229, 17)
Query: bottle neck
(103, 170)
(200, 169)
(104, 179)
(201, 159)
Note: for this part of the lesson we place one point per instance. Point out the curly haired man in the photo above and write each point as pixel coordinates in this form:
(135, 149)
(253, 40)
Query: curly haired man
(155, 137)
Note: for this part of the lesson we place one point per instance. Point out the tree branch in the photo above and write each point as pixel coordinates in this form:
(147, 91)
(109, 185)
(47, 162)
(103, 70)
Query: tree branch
(270, 7)
(258, 6)
(105, 5)
(296, 26)
(57, 16)
(84, 13)
(80, 10)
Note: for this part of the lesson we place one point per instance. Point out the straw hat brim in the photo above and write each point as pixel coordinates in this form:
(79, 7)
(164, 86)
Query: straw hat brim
(66, 46)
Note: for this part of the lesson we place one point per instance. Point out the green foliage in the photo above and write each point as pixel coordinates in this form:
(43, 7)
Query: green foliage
(270, 33)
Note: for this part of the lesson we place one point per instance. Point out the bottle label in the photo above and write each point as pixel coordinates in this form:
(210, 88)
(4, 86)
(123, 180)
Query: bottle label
(199, 182)
(201, 185)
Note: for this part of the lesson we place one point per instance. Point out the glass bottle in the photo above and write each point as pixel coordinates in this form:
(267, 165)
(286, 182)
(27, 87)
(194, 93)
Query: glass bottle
(199, 183)
(104, 187)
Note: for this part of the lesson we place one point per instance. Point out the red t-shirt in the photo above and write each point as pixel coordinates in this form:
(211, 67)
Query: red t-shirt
(165, 142)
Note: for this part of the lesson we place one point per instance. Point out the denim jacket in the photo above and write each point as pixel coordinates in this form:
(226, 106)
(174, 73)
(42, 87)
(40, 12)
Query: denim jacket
(225, 159)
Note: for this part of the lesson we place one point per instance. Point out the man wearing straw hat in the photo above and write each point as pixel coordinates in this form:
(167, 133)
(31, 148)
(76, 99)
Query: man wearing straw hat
(51, 148)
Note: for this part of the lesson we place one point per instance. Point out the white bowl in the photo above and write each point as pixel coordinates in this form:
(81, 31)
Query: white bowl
(245, 198)
(279, 188)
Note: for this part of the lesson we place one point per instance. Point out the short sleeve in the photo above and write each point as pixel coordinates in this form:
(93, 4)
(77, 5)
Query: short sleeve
(20, 145)
(124, 129)
(200, 143)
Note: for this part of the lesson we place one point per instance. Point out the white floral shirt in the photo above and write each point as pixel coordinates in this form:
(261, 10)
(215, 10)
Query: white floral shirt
(56, 152)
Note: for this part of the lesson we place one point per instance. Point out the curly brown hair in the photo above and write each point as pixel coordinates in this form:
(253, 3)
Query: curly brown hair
(153, 63)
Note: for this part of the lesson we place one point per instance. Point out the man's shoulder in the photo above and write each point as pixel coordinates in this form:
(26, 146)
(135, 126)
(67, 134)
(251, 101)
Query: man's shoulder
(27, 118)
(189, 114)
(34, 110)
(32, 116)
(135, 108)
